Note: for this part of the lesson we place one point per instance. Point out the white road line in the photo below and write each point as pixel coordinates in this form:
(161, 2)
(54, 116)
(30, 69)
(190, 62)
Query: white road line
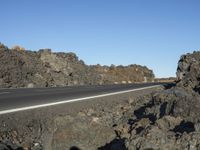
(73, 100)
(4, 92)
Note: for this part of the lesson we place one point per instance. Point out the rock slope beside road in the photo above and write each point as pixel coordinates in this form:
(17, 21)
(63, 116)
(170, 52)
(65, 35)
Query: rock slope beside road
(170, 119)
(23, 68)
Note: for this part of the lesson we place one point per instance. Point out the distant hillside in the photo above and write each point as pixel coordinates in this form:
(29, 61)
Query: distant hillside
(23, 68)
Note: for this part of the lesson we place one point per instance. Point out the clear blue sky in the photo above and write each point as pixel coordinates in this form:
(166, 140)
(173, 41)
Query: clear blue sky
(148, 32)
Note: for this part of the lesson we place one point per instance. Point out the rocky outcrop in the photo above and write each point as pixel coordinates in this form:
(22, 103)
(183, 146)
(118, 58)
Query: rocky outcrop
(171, 118)
(122, 74)
(188, 72)
(20, 68)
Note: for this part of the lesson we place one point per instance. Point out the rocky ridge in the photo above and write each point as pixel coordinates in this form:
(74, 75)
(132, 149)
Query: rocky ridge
(23, 68)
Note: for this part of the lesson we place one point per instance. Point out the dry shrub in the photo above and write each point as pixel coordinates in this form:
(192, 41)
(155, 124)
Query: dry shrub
(18, 48)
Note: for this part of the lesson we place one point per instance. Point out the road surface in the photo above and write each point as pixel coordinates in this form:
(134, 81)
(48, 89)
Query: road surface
(13, 100)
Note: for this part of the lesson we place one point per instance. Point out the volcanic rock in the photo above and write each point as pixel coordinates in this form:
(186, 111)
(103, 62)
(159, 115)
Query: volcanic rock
(23, 68)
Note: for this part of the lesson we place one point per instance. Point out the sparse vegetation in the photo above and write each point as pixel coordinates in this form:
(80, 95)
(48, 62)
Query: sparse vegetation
(18, 48)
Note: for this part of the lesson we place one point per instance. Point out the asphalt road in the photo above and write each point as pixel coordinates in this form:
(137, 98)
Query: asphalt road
(14, 99)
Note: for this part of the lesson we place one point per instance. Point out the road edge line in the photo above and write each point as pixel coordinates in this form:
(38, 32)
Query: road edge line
(73, 100)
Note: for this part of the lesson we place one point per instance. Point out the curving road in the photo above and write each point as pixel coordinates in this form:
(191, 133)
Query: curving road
(12, 100)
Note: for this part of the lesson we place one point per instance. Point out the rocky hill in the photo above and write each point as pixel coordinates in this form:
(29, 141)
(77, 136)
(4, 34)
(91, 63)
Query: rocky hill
(23, 68)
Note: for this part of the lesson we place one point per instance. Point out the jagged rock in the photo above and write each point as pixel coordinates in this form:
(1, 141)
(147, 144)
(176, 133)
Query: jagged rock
(82, 131)
(47, 69)
(170, 119)
(188, 71)
(7, 145)
(168, 122)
